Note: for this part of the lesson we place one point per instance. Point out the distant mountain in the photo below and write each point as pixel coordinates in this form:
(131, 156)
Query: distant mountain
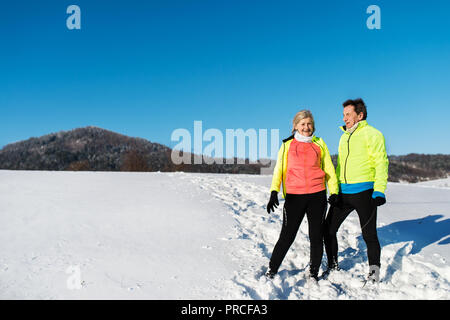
(419, 167)
(97, 149)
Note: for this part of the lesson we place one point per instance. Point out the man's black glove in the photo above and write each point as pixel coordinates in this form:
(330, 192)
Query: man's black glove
(379, 201)
(378, 198)
(273, 202)
(333, 200)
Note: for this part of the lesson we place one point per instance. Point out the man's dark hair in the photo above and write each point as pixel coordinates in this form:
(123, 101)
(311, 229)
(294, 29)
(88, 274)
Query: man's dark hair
(358, 105)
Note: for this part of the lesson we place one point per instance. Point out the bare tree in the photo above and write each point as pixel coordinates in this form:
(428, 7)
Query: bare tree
(134, 161)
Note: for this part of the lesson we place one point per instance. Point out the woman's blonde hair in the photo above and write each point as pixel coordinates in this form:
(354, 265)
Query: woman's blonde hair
(303, 115)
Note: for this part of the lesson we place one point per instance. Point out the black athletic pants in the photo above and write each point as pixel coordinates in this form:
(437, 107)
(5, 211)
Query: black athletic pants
(367, 212)
(295, 207)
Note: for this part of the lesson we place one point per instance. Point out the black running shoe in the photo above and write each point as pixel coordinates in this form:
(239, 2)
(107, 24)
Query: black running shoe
(314, 274)
(333, 266)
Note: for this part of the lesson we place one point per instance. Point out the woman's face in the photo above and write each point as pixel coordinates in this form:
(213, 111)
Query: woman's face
(305, 127)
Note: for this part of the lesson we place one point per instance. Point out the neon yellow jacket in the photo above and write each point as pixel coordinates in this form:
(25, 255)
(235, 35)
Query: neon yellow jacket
(279, 172)
(362, 157)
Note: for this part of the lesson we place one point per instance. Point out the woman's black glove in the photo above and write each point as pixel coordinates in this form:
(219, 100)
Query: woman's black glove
(273, 202)
(333, 200)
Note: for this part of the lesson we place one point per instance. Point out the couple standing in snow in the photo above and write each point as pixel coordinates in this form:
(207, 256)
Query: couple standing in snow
(304, 168)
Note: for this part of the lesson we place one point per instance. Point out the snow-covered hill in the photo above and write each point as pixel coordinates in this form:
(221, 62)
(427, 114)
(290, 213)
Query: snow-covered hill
(201, 236)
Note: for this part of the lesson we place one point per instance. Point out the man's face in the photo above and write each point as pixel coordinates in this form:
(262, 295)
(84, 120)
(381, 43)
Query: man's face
(351, 117)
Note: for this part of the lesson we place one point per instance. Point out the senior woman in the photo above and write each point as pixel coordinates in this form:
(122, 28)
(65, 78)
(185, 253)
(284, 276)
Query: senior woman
(304, 168)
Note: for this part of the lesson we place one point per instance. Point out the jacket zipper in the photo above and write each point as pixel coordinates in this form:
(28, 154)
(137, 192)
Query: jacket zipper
(348, 153)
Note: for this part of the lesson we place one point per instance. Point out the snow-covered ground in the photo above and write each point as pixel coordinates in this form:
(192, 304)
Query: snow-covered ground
(441, 183)
(201, 236)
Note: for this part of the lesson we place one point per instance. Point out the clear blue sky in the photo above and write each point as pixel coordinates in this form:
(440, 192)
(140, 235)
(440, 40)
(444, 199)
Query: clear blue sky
(146, 68)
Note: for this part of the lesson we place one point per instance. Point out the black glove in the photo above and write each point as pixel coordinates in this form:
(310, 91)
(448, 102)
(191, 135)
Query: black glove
(378, 201)
(333, 200)
(273, 202)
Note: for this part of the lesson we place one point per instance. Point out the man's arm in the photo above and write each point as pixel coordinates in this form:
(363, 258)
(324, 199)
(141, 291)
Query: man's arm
(380, 162)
